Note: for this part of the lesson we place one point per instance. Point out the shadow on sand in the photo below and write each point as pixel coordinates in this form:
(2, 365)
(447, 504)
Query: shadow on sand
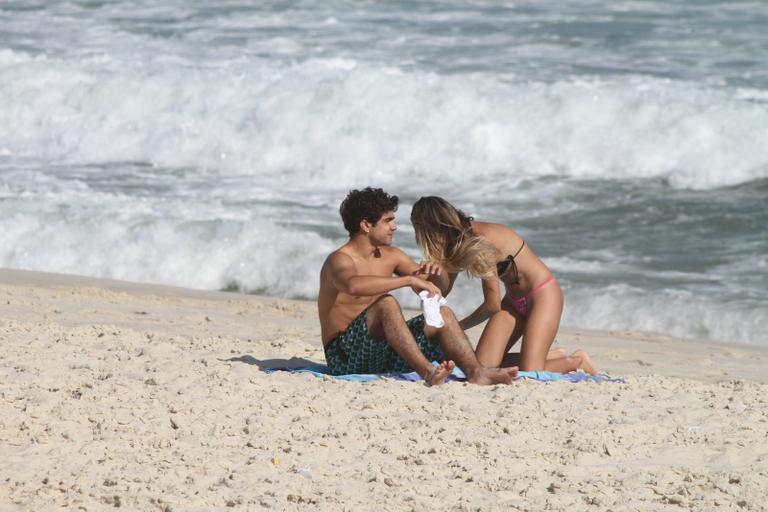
(268, 364)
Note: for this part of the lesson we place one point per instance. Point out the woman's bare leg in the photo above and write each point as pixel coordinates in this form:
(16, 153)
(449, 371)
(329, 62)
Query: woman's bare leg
(556, 353)
(541, 328)
(585, 362)
(513, 359)
(489, 348)
(507, 326)
(579, 360)
(503, 329)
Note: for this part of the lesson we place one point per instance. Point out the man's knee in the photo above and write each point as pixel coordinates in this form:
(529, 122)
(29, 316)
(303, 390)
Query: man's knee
(384, 311)
(385, 303)
(450, 325)
(385, 307)
(448, 315)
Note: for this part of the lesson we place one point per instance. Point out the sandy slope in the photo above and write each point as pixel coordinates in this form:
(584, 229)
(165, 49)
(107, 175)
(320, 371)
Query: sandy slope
(153, 398)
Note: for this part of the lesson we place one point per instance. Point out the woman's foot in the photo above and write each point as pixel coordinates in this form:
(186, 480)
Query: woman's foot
(583, 362)
(488, 376)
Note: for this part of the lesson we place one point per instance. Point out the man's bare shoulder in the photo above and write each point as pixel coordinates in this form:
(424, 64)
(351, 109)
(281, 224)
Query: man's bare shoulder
(338, 258)
(402, 264)
(393, 253)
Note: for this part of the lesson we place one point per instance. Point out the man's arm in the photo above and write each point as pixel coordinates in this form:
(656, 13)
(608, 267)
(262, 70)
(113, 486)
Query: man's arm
(429, 270)
(345, 278)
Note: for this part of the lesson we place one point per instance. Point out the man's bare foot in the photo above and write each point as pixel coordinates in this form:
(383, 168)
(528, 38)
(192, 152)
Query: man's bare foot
(440, 373)
(557, 353)
(487, 376)
(584, 362)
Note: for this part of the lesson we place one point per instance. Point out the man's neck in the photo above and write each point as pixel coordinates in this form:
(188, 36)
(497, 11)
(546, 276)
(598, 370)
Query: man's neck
(362, 246)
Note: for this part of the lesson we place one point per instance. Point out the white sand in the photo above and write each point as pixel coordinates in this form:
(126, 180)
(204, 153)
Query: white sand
(153, 398)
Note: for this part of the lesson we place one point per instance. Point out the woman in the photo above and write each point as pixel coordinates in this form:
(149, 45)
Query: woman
(532, 303)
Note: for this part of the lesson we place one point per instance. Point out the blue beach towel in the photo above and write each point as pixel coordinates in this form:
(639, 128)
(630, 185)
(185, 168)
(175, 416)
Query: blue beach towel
(321, 370)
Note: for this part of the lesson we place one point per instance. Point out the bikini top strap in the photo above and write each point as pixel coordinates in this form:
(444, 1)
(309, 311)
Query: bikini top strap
(515, 271)
(520, 249)
(511, 263)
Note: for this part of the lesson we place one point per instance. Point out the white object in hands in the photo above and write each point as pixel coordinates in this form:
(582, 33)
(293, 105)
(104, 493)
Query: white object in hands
(430, 306)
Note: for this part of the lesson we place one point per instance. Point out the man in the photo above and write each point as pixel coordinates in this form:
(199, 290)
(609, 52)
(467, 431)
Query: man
(363, 328)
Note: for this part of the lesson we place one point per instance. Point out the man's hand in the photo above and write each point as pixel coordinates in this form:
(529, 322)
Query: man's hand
(418, 284)
(428, 268)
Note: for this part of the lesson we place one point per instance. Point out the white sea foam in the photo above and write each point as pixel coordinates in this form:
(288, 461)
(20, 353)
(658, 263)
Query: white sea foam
(673, 312)
(141, 244)
(181, 246)
(323, 121)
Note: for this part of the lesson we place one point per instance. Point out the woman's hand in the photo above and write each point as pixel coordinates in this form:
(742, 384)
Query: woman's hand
(434, 272)
(418, 284)
(429, 268)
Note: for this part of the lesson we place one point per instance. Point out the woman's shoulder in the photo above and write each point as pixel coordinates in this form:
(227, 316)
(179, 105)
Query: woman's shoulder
(491, 229)
(501, 237)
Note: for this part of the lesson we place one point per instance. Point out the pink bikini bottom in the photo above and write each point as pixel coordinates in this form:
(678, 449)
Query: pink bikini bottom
(523, 304)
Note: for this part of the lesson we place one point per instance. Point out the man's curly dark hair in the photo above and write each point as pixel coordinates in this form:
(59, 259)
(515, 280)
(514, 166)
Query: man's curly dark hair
(369, 204)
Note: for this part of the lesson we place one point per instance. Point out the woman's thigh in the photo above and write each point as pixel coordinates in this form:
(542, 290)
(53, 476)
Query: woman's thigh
(541, 327)
(503, 329)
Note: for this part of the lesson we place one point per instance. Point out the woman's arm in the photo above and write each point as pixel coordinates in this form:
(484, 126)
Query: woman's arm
(491, 304)
(451, 281)
(431, 271)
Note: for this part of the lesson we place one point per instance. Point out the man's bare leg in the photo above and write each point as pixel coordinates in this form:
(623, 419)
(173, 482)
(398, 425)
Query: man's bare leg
(456, 346)
(386, 321)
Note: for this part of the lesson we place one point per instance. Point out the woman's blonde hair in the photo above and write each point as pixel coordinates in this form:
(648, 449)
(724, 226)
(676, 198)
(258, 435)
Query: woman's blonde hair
(445, 234)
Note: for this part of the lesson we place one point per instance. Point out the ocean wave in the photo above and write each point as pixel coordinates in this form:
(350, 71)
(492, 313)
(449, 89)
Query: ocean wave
(339, 121)
(184, 245)
(194, 243)
(674, 312)
(620, 307)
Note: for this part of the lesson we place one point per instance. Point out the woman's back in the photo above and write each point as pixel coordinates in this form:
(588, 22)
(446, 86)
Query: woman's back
(531, 270)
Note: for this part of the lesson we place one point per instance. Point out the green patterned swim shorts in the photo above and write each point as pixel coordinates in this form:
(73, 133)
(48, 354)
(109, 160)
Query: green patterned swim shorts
(356, 351)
